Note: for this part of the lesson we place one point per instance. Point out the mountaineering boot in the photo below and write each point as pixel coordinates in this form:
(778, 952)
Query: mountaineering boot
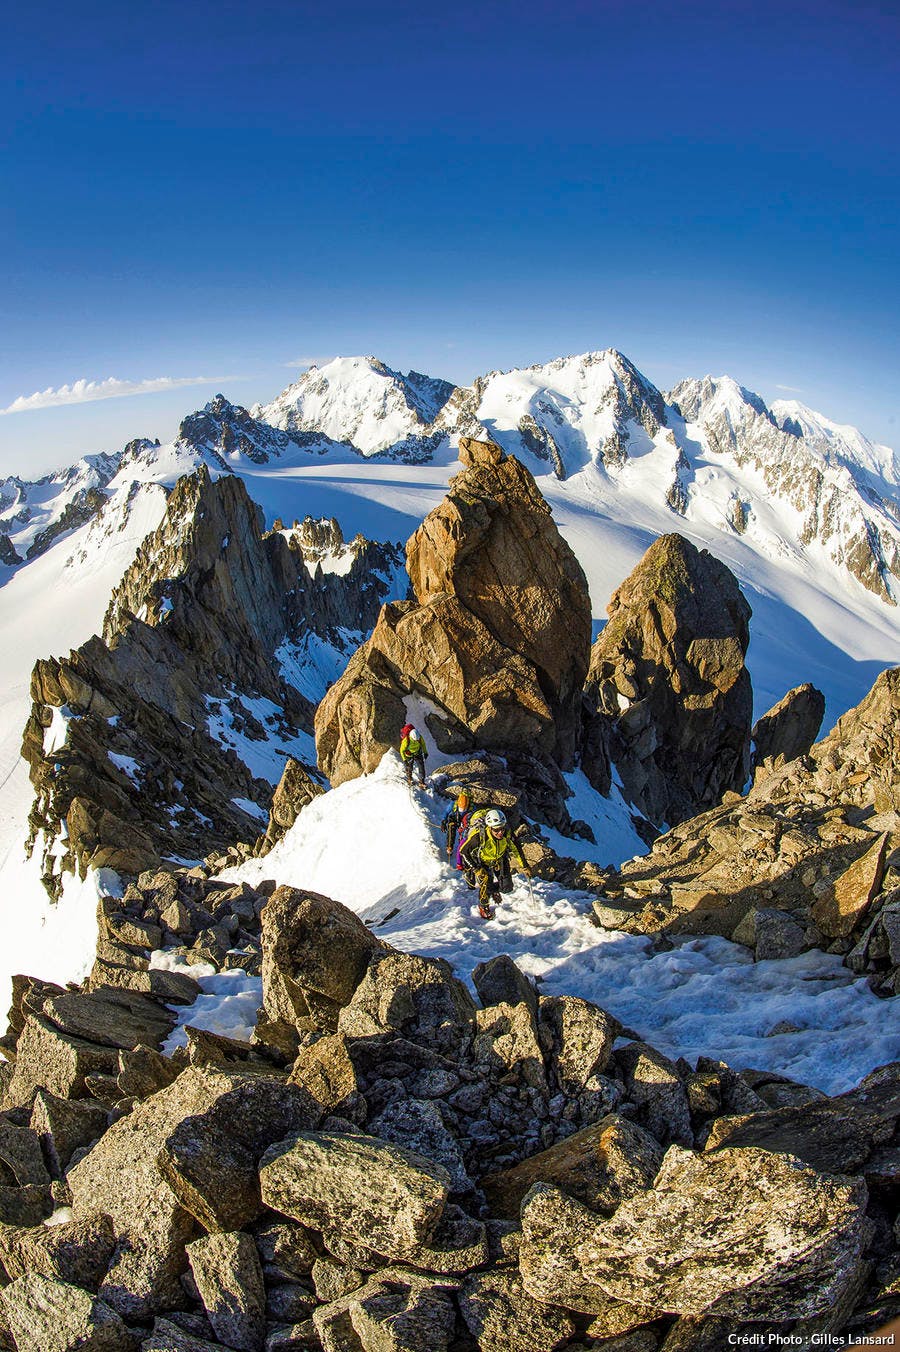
(485, 911)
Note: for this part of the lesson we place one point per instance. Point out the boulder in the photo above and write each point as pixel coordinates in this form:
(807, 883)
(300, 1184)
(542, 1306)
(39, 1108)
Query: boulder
(578, 1038)
(418, 997)
(458, 1244)
(835, 1135)
(47, 1058)
(123, 1175)
(771, 933)
(418, 1125)
(379, 1194)
(209, 1159)
(400, 1314)
(315, 953)
(790, 727)
(20, 1152)
(740, 1233)
(598, 1166)
(285, 1249)
(506, 1042)
(502, 1317)
(110, 1017)
(668, 672)
(653, 1083)
(500, 982)
(295, 789)
(553, 1227)
(45, 1315)
(841, 907)
(78, 1251)
(167, 1336)
(28, 1204)
(394, 1311)
(229, 1278)
(325, 1072)
(497, 640)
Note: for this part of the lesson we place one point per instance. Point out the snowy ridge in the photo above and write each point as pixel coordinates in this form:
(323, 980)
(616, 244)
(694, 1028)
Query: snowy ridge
(29, 511)
(841, 503)
(837, 441)
(50, 605)
(689, 1001)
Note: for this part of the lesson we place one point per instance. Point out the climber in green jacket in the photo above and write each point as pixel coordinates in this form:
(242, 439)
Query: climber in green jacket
(487, 853)
(413, 752)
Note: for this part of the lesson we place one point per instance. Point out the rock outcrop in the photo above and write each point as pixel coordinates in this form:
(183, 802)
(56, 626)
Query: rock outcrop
(668, 674)
(494, 649)
(154, 740)
(810, 857)
(789, 728)
(415, 1171)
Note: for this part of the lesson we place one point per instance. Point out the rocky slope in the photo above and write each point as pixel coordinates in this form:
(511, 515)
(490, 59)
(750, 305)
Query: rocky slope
(167, 735)
(495, 644)
(390, 1163)
(810, 857)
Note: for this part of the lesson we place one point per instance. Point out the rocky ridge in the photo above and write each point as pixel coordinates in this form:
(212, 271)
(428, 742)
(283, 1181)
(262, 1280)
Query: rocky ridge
(144, 743)
(391, 1163)
(809, 857)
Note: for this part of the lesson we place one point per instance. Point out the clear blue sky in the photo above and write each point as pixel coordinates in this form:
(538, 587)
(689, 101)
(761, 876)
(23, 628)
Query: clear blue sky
(197, 190)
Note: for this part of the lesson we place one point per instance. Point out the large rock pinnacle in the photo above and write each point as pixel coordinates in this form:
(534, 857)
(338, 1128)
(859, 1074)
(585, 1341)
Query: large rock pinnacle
(669, 669)
(497, 641)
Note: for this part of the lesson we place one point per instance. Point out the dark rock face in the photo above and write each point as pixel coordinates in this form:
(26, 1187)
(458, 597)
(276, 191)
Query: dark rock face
(497, 639)
(790, 727)
(191, 643)
(222, 430)
(668, 670)
(8, 553)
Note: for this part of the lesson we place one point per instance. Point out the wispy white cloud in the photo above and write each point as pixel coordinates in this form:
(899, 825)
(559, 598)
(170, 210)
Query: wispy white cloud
(789, 389)
(87, 391)
(304, 363)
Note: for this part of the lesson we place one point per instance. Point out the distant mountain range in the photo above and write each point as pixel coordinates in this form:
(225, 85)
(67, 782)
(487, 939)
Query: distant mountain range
(784, 477)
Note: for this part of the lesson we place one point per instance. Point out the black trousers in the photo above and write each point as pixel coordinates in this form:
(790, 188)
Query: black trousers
(493, 879)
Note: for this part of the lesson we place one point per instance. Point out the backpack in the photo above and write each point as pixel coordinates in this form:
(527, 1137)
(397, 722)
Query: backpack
(406, 730)
(462, 834)
(474, 826)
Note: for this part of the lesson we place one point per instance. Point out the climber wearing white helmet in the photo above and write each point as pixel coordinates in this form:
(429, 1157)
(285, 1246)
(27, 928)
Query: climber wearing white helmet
(487, 853)
(412, 752)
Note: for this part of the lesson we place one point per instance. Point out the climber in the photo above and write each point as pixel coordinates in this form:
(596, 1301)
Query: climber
(486, 852)
(412, 752)
(455, 824)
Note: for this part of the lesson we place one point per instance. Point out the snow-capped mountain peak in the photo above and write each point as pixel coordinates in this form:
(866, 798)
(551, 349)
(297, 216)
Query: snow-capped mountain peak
(361, 401)
(838, 442)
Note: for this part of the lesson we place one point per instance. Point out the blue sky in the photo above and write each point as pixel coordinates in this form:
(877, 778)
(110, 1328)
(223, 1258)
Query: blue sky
(209, 193)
